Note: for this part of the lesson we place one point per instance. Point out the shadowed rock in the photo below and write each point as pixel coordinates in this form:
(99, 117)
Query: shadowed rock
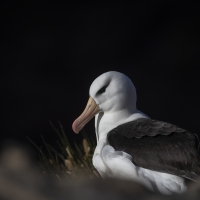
(21, 179)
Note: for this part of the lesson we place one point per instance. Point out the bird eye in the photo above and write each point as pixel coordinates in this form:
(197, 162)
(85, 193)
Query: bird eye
(102, 90)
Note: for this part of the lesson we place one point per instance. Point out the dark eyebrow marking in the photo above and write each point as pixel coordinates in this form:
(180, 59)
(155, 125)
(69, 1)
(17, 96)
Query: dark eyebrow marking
(103, 89)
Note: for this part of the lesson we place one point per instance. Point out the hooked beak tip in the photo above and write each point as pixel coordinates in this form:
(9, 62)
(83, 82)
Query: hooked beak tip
(74, 127)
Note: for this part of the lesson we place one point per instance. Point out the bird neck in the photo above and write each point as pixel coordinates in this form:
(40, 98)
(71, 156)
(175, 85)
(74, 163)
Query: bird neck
(104, 122)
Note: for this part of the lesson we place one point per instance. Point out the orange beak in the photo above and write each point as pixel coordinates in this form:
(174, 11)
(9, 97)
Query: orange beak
(90, 111)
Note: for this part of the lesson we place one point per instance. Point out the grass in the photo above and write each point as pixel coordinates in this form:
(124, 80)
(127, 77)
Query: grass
(72, 161)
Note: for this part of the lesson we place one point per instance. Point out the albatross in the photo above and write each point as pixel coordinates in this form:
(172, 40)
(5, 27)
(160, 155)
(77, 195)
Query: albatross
(131, 145)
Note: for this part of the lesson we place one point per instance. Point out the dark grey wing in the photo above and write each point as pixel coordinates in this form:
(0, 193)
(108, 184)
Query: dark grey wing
(147, 127)
(158, 146)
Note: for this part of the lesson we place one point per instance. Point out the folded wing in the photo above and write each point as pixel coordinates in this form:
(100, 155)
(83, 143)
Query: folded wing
(158, 146)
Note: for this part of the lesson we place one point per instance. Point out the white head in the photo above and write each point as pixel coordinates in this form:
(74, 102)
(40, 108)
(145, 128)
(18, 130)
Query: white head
(113, 91)
(110, 92)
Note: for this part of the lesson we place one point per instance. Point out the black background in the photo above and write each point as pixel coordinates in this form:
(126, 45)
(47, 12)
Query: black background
(51, 51)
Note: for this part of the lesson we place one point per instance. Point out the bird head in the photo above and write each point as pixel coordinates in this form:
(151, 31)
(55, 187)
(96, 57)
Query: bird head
(109, 93)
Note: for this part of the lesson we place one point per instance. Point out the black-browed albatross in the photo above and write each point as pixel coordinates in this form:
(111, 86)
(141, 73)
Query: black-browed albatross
(130, 145)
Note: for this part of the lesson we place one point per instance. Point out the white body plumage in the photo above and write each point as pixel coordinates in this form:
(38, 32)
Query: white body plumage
(118, 164)
(113, 102)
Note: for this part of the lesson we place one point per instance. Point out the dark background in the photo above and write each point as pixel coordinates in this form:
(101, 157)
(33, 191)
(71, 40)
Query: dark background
(51, 51)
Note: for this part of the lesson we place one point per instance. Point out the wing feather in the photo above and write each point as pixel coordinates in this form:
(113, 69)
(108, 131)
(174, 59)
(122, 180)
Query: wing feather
(158, 146)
